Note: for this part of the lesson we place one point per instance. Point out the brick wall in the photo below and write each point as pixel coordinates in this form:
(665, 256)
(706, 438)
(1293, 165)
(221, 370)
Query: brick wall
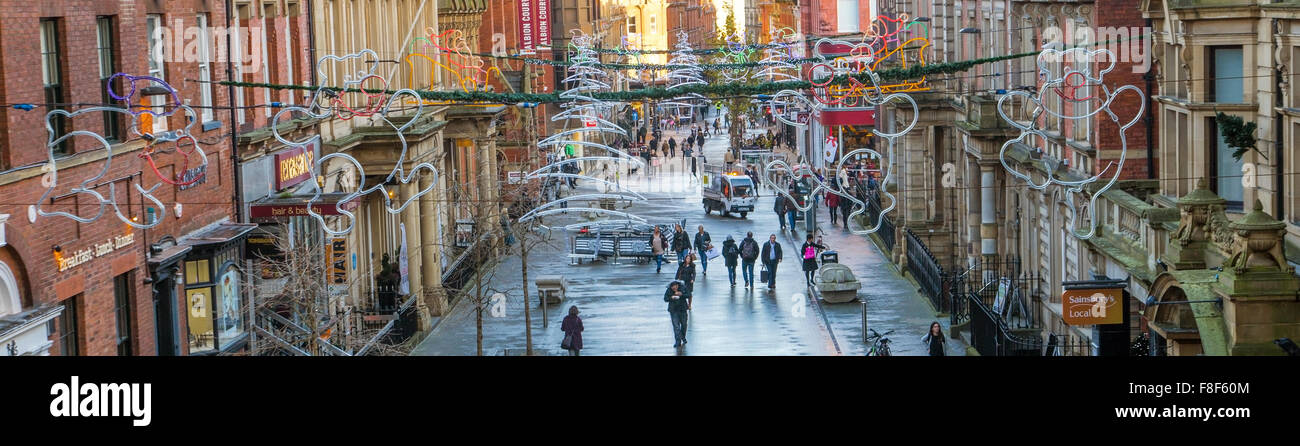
(23, 135)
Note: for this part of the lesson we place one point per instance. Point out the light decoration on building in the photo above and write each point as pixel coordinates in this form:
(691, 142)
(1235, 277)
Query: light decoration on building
(177, 141)
(1076, 84)
(887, 39)
(582, 110)
(330, 101)
(450, 51)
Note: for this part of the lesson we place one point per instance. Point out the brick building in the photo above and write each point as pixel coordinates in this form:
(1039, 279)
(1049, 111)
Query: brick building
(103, 287)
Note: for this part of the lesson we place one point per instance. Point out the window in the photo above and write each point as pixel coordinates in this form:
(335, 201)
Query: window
(229, 311)
(1226, 169)
(104, 47)
(237, 60)
(122, 298)
(1225, 68)
(631, 25)
(848, 22)
(205, 71)
(157, 50)
(69, 344)
(653, 28)
(198, 302)
(268, 22)
(52, 76)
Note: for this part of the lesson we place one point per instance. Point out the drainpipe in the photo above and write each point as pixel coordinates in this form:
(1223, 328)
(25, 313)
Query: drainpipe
(1149, 77)
(238, 190)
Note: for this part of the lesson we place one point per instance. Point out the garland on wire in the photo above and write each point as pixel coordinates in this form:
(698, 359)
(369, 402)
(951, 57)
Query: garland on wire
(728, 89)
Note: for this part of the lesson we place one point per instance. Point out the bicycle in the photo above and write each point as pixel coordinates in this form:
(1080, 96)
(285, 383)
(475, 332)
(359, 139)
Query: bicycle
(879, 344)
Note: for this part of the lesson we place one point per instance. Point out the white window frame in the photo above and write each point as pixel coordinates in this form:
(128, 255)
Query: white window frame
(237, 60)
(206, 113)
(266, 63)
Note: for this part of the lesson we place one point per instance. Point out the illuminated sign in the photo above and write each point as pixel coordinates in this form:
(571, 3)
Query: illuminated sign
(293, 166)
(297, 209)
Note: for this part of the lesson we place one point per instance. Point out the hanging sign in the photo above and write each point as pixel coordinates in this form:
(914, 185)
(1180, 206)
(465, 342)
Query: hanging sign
(292, 166)
(527, 26)
(1092, 306)
(405, 287)
(338, 261)
(832, 149)
(543, 24)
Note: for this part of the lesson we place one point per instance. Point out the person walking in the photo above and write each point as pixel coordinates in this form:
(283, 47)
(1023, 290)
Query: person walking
(703, 243)
(693, 169)
(833, 204)
(572, 328)
(730, 253)
(846, 206)
(935, 341)
(809, 252)
(657, 247)
(791, 207)
(679, 302)
(686, 273)
(772, 257)
(681, 243)
(779, 208)
(748, 256)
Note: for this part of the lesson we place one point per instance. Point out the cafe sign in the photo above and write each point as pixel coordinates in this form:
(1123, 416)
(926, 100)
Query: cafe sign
(293, 166)
(1092, 306)
(66, 262)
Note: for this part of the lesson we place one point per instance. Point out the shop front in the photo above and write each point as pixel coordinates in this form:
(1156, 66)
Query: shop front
(212, 281)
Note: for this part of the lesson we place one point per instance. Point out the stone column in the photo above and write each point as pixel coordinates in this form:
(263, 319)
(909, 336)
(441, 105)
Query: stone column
(433, 302)
(411, 219)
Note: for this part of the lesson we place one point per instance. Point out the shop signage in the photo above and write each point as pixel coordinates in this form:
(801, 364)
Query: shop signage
(543, 24)
(189, 176)
(1092, 306)
(293, 166)
(527, 26)
(515, 177)
(66, 262)
(296, 209)
(338, 260)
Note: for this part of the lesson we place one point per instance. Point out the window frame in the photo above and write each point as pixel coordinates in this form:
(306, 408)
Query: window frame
(125, 313)
(157, 48)
(70, 327)
(106, 52)
(206, 113)
(53, 84)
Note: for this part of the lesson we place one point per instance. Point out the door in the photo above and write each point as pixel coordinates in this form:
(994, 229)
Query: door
(164, 307)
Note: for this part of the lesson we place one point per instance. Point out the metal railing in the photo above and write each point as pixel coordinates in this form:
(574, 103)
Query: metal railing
(925, 269)
(872, 214)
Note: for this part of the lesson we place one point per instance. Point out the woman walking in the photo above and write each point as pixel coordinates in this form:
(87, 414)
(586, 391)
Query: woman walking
(686, 273)
(935, 341)
(657, 247)
(572, 328)
(679, 302)
(730, 252)
(809, 251)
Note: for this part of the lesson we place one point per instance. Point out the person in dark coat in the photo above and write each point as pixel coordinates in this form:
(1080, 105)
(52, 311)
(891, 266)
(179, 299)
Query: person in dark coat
(681, 243)
(749, 251)
(809, 252)
(779, 208)
(730, 254)
(672, 147)
(846, 207)
(703, 243)
(679, 302)
(935, 341)
(772, 257)
(686, 273)
(572, 327)
(791, 207)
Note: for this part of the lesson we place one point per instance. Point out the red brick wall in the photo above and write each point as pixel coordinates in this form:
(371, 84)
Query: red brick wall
(1122, 13)
(23, 135)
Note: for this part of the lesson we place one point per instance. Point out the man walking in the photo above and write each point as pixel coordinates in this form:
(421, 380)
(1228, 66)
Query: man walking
(791, 208)
(779, 208)
(679, 302)
(748, 256)
(702, 245)
(681, 243)
(771, 258)
(730, 253)
(672, 147)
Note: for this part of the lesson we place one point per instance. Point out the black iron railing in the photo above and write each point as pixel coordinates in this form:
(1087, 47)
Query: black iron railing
(873, 214)
(925, 269)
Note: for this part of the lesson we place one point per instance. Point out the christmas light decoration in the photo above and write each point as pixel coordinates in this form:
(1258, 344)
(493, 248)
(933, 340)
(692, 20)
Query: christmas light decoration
(1077, 84)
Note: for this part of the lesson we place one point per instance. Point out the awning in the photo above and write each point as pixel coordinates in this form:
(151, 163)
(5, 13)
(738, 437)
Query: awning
(848, 116)
(216, 234)
(296, 206)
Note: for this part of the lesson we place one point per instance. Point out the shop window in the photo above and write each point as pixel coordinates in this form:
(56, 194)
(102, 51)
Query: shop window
(122, 299)
(69, 321)
(214, 304)
(229, 308)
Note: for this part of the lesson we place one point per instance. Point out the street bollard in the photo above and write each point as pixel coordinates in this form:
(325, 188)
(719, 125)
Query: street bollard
(865, 338)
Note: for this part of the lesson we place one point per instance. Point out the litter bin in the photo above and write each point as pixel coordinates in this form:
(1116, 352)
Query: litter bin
(830, 257)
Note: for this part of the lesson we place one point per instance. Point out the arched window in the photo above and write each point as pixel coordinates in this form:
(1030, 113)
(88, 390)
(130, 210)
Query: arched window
(10, 301)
